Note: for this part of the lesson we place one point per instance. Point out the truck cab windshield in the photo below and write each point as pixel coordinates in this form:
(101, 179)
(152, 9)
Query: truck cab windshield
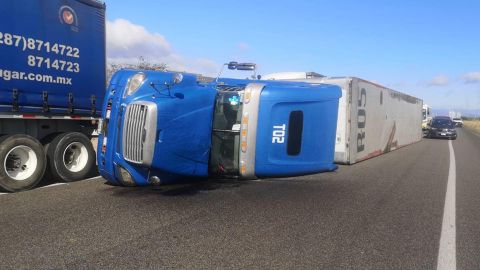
(224, 156)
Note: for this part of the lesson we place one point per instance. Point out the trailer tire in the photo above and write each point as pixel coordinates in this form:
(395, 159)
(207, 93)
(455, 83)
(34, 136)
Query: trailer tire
(23, 162)
(70, 157)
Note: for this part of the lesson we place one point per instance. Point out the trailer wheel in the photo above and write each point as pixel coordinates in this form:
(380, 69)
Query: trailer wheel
(23, 162)
(70, 156)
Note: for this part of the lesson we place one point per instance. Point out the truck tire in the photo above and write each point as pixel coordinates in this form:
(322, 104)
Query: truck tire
(23, 162)
(70, 157)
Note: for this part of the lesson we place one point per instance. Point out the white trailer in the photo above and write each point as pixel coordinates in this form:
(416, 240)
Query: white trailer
(454, 114)
(372, 119)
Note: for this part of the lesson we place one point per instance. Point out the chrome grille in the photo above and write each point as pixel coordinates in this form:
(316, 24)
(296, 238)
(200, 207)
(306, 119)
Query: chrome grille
(133, 132)
(139, 132)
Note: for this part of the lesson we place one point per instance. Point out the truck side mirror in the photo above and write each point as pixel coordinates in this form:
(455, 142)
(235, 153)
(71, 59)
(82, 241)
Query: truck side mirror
(241, 66)
(232, 65)
(246, 66)
(177, 78)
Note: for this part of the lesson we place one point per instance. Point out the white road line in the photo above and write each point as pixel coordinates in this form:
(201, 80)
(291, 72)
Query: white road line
(447, 257)
(3, 193)
(54, 185)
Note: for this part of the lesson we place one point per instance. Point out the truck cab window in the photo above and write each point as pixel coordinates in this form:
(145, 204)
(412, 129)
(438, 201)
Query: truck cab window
(295, 131)
(226, 134)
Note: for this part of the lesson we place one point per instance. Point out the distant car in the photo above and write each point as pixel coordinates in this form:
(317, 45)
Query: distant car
(442, 127)
(458, 122)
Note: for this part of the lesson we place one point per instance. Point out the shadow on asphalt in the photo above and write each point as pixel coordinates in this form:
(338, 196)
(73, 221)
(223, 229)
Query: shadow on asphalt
(444, 139)
(49, 180)
(436, 138)
(186, 188)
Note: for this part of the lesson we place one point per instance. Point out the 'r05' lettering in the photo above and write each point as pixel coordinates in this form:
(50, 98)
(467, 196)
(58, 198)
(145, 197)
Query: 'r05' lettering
(361, 119)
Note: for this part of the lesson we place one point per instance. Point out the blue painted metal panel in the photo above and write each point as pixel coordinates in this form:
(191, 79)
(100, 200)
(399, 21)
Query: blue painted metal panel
(318, 105)
(55, 46)
(184, 126)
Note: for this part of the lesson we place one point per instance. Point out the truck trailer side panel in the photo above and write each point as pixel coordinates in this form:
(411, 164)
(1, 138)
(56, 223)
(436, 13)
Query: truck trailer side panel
(381, 120)
(52, 86)
(52, 56)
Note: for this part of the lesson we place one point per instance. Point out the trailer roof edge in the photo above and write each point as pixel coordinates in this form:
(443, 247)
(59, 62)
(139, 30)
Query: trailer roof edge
(93, 3)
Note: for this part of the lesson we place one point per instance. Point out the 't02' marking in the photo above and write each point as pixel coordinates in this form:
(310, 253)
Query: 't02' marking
(278, 135)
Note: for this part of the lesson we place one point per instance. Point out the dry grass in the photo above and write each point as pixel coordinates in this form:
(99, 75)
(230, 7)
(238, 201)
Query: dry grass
(473, 125)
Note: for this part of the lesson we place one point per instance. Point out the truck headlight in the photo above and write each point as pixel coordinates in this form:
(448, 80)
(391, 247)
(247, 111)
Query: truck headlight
(134, 83)
(125, 177)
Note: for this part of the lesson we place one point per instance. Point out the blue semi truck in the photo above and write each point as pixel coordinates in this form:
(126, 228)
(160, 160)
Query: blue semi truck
(52, 85)
(163, 127)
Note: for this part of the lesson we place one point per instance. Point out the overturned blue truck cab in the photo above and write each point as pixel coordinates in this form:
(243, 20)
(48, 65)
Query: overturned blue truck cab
(163, 127)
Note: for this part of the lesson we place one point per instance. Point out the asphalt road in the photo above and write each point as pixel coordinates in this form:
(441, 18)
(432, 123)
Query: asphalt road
(384, 213)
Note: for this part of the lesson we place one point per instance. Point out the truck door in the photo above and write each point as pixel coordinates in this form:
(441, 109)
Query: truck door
(224, 155)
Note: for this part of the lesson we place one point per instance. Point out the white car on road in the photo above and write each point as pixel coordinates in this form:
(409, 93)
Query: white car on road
(458, 122)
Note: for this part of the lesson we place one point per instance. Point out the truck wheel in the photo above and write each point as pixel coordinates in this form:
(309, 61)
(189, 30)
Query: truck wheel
(70, 156)
(23, 162)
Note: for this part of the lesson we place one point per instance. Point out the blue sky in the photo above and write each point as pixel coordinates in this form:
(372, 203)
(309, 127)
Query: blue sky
(429, 49)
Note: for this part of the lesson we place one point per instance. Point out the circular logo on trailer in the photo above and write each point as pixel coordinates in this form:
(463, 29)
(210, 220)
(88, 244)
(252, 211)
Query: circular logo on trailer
(68, 16)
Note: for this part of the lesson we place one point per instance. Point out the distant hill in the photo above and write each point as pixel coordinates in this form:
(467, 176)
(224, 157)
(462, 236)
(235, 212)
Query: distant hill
(464, 112)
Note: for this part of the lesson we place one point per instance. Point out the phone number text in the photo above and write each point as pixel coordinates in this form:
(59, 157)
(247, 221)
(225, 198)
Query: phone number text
(42, 62)
(32, 44)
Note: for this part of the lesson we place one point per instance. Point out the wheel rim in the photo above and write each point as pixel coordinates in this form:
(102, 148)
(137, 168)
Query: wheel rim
(20, 163)
(75, 157)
